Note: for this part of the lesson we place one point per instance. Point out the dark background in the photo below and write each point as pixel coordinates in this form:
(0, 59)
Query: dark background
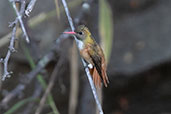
(139, 68)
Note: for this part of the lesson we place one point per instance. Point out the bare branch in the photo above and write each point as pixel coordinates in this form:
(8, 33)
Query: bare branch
(74, 80)
(84, 63)
(36, 94)
(12, 94)
(49, 87)
(11, 49)
(19, 17)
(14, 0)
(13, 24)
(27, 79)
(30, 7)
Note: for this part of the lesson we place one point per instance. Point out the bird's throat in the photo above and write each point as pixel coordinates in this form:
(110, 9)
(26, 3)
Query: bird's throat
(80, 44)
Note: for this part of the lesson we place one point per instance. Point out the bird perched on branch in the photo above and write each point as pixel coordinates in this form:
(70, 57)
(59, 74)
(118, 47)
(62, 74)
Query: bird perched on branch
(92, 53)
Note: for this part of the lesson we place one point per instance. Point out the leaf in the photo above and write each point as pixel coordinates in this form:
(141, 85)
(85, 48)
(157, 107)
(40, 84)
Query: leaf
(106, 27)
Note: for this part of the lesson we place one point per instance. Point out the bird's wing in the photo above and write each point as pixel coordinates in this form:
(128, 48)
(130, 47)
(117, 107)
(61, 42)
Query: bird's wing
(95, 57)
(98, 59)
(103, 65)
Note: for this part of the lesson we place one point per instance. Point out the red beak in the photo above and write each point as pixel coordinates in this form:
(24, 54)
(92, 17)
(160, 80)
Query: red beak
(71, 32)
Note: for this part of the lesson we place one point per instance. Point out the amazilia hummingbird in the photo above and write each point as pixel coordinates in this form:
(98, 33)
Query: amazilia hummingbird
(92, 53)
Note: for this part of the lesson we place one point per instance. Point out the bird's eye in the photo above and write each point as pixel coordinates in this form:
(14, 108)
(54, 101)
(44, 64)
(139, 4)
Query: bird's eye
(80, 33)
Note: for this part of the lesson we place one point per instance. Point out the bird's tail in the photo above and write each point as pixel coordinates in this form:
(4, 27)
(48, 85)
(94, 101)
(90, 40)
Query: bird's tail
(104, 76)
(96, 77)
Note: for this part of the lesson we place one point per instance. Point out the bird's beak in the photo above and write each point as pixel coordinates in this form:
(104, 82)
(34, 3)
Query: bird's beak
(71, 32)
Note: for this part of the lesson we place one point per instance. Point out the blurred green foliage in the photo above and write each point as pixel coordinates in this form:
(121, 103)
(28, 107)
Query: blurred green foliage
(106, 27)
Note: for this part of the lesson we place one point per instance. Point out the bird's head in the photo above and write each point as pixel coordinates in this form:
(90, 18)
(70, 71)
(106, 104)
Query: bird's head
(81, 32)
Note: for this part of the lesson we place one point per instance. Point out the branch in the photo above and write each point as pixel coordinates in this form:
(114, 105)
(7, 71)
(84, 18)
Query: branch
(49, 87)
(84, 63)
(17, 91)
(36, 95)
(19, 17)
(13, 24)
(30, 7)
(27, 79)
(74, 80)
(11, 49)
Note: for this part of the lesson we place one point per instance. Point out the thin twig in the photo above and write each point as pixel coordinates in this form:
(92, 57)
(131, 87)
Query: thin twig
(49, 87)
(11, 49)
(36, 20)
(14, 0)
(74, 80)
(30, 7)
(19, 16)
(27, 79)
(6, 73)
(13, 24)
(17, 91)
(36, 94)
(84, 63)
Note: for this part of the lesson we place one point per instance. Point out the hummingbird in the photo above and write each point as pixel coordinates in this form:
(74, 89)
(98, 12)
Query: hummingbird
(93, 55)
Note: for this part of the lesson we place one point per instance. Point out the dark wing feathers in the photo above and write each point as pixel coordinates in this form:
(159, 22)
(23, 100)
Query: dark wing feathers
(97, 63)
(96, 59)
